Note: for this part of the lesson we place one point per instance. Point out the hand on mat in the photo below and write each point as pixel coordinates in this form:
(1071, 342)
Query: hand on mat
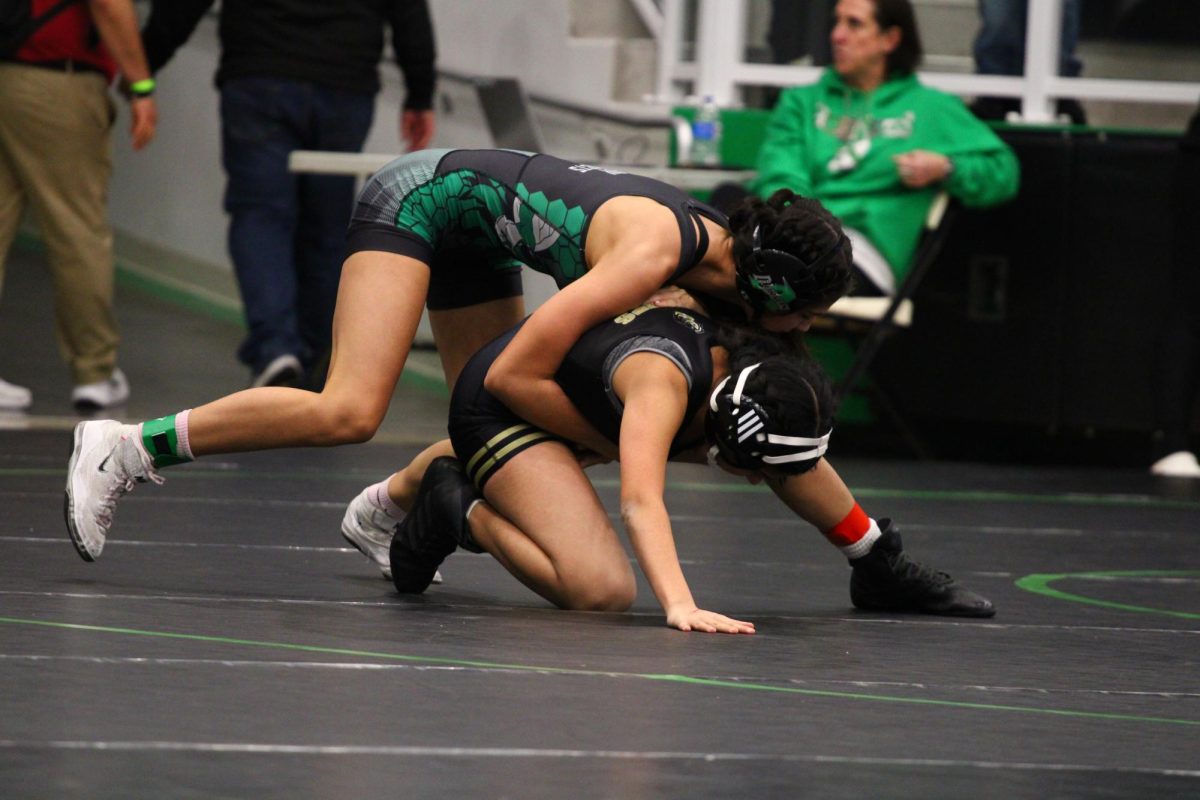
(690, 618)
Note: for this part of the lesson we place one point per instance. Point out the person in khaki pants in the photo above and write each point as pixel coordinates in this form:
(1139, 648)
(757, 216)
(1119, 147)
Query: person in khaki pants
(55, 159)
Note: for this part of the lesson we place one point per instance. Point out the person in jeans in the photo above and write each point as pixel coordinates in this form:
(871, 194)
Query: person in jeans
(1000, 50)
(56, 159)
(297, 75)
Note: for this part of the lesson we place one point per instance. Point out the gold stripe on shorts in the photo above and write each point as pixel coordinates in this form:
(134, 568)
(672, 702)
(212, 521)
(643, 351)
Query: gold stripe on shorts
(478, 467)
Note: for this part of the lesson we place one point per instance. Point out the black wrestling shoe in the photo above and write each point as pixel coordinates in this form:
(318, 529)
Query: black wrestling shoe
(886, 579)
(434, 528)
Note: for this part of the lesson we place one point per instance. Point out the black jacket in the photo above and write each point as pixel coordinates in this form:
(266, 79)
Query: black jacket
(334, 43)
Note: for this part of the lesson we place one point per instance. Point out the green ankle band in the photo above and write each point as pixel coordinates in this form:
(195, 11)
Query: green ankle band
(161, 442)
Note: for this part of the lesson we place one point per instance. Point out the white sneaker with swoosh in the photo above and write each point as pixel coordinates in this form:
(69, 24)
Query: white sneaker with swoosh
(105, 464)
(370, 529)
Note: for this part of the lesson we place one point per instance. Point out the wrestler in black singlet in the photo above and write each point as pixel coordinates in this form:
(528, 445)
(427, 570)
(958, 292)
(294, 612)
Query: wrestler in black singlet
(486, 434)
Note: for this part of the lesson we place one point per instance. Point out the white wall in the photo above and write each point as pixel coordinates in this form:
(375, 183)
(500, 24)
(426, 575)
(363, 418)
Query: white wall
(167, 200)
(532, 39)
(169, 194)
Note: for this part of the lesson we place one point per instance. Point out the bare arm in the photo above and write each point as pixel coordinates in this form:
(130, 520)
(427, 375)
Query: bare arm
(116, 23)
(627, 267)
(818, 496)
(655, 395)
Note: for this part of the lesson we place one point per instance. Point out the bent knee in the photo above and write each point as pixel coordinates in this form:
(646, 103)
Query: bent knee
(603, 593)
(344, 423)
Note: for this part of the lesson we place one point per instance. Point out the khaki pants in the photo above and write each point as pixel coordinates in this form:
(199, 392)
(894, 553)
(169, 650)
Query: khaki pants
(56, 158)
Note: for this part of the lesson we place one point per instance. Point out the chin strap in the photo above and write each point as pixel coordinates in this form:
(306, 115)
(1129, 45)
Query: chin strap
(818, 445)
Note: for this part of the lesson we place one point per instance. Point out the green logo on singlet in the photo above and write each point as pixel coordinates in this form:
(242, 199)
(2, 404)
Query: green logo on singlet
(457, 201)
(553, 231)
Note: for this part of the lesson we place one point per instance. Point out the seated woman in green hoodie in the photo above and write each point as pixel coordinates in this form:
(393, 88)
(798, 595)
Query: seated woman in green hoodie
(874, 145)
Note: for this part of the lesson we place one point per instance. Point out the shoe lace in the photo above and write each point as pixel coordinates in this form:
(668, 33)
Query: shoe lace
(909, 570)
(118, 489)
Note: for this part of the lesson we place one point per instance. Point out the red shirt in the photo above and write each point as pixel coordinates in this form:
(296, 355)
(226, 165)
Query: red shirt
(71, 35)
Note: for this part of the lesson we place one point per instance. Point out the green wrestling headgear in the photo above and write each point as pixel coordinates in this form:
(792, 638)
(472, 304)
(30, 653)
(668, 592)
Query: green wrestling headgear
(778, 282)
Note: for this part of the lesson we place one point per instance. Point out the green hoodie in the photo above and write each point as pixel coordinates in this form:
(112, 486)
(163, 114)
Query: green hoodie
(836, 144)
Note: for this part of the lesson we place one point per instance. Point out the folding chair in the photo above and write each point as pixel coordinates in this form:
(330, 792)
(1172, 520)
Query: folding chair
(882, 315)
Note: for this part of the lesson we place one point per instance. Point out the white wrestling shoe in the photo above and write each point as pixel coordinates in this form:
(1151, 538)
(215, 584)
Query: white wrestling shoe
(105, 464)
(1180, 464)
(369, 530)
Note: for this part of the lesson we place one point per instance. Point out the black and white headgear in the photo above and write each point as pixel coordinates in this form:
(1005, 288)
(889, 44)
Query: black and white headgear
(747, 438)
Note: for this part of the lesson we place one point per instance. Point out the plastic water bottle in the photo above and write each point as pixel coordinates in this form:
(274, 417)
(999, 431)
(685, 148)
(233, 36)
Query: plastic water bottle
(706, 134)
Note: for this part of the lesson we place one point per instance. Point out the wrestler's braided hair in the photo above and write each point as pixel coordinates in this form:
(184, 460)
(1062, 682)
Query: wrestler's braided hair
(802, 227)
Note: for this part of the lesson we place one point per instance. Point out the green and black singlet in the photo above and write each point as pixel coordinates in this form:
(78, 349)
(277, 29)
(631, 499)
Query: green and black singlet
(475, 216)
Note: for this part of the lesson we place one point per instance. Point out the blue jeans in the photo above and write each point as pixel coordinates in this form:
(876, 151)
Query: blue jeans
(1000, 43)
(287, 231)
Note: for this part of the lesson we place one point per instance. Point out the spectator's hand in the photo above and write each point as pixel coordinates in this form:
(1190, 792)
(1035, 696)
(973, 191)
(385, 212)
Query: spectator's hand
(144, 114)
(921, 168)
(416, 128)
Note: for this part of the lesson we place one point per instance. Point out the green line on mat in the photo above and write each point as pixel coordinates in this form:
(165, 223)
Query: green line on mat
(681, 679)
(1040, 584)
